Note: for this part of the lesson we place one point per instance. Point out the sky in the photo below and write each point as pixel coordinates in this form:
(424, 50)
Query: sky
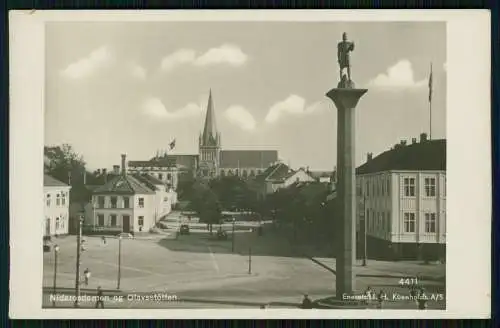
(133, 87)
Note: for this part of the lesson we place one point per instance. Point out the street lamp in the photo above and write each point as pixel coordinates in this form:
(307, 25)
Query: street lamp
(56, 250)
(78, 251)
(232, 237)
(119, 261)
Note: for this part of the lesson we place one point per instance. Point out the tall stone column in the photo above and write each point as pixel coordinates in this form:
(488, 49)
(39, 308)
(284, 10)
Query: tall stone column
(345, 98)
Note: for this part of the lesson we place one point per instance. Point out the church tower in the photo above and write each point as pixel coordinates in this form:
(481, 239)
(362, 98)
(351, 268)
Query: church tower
(209, 144)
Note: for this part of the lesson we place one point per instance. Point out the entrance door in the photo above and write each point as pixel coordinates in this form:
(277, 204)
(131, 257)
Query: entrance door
(126, 223)
(47, 227)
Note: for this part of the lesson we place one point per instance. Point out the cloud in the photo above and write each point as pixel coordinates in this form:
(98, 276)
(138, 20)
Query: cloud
(240, 117)
(182, 56)
(225, 54)
(293, 105)
(397, 76)
(84, 67)
(137, 71)
(155, 108)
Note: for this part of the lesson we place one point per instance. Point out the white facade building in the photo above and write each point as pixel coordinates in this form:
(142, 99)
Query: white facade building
(402, 194)
(280, 175)
(129, 203)
(56, 211)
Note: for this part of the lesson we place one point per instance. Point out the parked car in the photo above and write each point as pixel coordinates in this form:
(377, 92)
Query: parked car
(184, 230)
(124, 235)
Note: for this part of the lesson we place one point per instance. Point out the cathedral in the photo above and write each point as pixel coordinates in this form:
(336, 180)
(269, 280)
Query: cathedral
(211, 160)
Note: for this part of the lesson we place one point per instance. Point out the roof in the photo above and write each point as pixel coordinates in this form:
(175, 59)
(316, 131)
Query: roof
(248, 158)
(423, 156)
(124, 184)
(187, 160)
(320, 174)
(148, 179)
(276, 172)
(154, 162)
(210, 128)
(49, 181)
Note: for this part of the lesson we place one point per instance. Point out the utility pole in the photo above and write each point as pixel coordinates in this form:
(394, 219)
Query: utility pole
(78, 252)
(56, 250)
(119, 261)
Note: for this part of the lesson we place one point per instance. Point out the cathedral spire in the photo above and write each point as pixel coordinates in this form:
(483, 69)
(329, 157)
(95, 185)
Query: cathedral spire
(210, 129)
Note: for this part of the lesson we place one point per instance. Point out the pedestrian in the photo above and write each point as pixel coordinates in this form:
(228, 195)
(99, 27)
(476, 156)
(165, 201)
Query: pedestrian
(103, 238)
(381, 298)
(306, 302)
(86, 275)
(422, 299)
(369, 294)
(100, 298)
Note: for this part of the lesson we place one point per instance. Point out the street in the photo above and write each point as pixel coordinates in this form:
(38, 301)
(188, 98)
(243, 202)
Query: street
(203, 272)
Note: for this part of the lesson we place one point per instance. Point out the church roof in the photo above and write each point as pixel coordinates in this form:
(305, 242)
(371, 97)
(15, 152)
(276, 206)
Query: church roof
(49, 181)
(210, 128)
(124, 184)
(247, 158)
(427, 155)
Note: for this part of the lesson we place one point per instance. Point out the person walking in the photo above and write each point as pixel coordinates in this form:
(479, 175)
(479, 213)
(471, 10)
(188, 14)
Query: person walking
(100, 298)
(86, 275)
(422, 299)
(381, 298)
(103, 238)
(306, 302)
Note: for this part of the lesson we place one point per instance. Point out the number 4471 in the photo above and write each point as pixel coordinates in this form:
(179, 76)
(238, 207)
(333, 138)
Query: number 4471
(408, 281)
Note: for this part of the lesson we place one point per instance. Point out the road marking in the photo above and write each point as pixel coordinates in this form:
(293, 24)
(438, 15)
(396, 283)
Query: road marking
(213, 259)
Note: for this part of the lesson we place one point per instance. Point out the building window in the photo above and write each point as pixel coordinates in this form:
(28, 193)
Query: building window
(141, 202)
(141, 221)
(165, 199)
(409, 222)
(367, 189)
(430, 222)
(388, 187)
(57, 223)
(409, 186)
(63, 199)
(100, 220)
(169, 176)
(430, 187)
(114, 200)
(58, 200)
(100, 201)
(113, 220)
(126, 202)
(160, 176)
(47, 200)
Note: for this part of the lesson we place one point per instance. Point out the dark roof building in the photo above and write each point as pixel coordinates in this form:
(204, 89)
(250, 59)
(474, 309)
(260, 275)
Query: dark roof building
(49, 181)
(428, 155)
(276, 172)
(123, 184)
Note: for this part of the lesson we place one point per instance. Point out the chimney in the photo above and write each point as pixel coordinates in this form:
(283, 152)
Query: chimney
(413, 141)
(124, 164)
(116, 169)
(105, 173)
(369, 157)
(423, 137)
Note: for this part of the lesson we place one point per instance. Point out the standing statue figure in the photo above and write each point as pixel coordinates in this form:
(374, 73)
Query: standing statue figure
(343, 49)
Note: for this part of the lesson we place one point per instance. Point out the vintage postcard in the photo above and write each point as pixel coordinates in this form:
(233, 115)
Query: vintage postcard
(244, 164)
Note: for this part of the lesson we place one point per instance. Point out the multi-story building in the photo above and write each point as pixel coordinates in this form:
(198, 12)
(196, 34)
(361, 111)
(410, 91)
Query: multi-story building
(129, 203)
(402, 195)
(162, 168)
(56, 210)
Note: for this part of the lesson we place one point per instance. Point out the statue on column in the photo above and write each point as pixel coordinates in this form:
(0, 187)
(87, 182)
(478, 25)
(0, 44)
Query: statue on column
(343, 56)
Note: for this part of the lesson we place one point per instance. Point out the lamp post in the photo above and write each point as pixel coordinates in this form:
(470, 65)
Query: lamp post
(78, 252)
(232, 237)
(56, 250)
(365, 255)
(119, 261)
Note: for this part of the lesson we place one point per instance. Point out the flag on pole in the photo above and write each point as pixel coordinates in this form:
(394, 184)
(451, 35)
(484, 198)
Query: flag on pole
(430, 85)
(172, 144)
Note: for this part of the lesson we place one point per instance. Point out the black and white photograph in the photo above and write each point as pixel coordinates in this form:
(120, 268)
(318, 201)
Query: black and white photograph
(239, 164)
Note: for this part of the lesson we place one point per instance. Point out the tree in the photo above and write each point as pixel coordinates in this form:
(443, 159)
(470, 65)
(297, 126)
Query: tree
(234, 193)
(64, 164)
(205, 203)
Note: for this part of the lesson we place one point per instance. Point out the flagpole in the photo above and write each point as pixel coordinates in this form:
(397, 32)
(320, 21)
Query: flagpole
(430, 103)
